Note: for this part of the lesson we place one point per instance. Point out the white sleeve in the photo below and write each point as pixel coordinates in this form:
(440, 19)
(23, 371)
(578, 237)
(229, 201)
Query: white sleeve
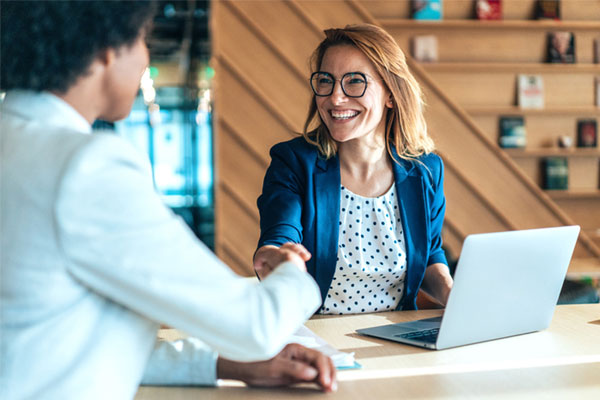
(181, 362)
(121, 241)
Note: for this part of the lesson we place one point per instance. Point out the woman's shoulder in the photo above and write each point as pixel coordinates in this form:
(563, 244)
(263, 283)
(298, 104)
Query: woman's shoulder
(297, 147)
(429, 165)
(431, 160)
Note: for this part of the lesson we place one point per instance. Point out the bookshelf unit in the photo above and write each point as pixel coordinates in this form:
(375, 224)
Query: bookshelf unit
(478, 65)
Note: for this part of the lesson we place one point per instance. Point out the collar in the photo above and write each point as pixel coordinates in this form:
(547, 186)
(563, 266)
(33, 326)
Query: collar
(46, 108)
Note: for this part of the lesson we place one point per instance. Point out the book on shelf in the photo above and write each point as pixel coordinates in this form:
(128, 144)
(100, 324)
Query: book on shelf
(425, 48)
(512, 132)
(547, 9)
(556, 173)
(561, 47)
(488, 9)
(530, 91)
(597, 91)
(426, 9)
(587, 133)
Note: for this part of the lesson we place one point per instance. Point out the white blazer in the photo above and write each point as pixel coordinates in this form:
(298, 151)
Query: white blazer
(92, 262)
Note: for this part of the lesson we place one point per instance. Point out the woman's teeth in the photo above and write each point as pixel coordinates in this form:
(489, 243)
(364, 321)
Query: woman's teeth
(343, 114)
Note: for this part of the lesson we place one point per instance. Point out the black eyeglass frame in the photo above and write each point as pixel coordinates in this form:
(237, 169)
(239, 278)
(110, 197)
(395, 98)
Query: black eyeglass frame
(364, 76)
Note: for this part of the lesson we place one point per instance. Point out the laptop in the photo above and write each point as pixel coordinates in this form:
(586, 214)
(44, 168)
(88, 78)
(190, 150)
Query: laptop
(505, 284)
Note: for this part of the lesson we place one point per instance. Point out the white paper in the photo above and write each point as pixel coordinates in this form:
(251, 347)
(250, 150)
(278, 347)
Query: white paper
(308, 338)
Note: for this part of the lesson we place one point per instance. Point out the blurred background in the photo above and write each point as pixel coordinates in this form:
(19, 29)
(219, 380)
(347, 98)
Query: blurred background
(229, 79)
(171, 120)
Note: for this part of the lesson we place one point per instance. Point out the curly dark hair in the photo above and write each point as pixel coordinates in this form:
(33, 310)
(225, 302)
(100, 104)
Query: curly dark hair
(48, 45)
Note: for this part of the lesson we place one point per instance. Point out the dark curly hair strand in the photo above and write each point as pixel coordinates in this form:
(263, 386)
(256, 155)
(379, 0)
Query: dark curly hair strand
(48, 45)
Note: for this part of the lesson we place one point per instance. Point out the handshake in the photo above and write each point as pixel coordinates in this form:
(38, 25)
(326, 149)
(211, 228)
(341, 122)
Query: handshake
(268, 257)
(295, 363)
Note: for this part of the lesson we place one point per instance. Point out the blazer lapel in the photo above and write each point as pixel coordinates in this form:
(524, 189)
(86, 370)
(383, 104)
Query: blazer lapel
(412, 209)
(327, 210)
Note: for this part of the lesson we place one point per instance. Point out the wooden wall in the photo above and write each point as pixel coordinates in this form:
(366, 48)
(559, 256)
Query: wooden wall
(260, 54)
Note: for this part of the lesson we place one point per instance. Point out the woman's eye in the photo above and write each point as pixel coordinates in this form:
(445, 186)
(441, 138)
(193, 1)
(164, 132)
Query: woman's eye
(325, 81)
(356, 81)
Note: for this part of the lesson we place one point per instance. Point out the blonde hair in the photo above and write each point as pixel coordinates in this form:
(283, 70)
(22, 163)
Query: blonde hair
(405, 126)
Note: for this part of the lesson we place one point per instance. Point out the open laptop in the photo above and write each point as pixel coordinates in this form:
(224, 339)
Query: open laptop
(505, 284)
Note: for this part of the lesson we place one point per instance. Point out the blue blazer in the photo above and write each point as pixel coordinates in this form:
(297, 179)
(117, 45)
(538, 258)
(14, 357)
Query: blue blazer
(300, 203)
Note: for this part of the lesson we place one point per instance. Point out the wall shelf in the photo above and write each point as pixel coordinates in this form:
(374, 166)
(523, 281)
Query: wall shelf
(486, 67)
(554, 152)
(573, 194)
(549, 111)
(500, 25)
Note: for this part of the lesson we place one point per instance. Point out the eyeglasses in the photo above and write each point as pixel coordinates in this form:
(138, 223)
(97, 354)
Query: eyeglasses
(354, 84)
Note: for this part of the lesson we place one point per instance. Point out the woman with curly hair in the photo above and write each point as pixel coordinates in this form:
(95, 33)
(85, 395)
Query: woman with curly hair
(92, 261)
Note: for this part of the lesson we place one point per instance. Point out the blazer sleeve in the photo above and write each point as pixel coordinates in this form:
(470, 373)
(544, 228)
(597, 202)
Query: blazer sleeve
(119, 240)
(437, 211)
(281, 202)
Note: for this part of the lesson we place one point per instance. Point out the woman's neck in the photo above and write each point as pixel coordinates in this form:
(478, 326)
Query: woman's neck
(365, 168)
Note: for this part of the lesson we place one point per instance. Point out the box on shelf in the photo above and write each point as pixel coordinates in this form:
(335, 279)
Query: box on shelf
(425, 48)
(561, 47)
(547, 9)
(488, 9)
(426, 9)
(556, 173)
(587, 133)
(512, 132)
(598, 91)
(530, 91)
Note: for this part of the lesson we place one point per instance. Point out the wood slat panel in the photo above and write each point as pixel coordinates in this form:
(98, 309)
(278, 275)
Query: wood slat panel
(241, 171)
(236, 262)
(572, 10)
(585, 210)
(470, 214)
(239, 230)
(262, 67)
(282, 21)
(452, 241)
(331, 14)
(248, 116)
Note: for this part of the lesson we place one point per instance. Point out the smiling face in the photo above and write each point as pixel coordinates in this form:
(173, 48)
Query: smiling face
(348, 118)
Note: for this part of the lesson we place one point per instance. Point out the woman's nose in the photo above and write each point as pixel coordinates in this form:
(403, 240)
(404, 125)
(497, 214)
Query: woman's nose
(338, 96)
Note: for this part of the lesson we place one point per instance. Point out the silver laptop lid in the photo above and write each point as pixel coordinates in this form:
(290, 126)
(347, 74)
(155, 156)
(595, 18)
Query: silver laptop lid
(506, 283)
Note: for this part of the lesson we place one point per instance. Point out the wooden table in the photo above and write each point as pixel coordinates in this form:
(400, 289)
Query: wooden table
(562, 362)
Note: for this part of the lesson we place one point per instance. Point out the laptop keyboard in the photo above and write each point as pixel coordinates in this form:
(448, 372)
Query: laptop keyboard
(429, 336)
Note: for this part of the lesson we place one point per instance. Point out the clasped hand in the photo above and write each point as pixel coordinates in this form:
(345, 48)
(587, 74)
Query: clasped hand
(268, 257)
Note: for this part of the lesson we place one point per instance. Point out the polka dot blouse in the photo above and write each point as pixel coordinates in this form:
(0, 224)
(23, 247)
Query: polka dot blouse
(371, 258)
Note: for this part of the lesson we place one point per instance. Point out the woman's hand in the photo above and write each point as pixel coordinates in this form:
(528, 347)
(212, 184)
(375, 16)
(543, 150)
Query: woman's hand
(268, 257)
(437, 283)
(294, 364)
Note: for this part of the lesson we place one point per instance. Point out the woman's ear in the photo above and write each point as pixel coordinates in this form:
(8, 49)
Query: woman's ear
(106, 57)
(390, 102)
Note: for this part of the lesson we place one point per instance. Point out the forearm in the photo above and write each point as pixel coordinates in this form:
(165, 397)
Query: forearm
(437, 282)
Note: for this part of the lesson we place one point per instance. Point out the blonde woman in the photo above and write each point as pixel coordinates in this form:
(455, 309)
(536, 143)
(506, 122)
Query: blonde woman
(360, 195)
